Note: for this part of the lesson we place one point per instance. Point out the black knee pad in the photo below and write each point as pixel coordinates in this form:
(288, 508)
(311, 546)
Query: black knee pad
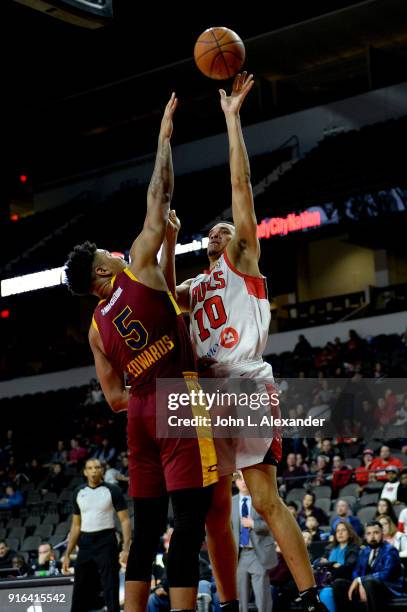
(150, 522)
(190, 509)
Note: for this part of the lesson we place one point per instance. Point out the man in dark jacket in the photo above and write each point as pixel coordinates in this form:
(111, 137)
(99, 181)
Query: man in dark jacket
(377, 578)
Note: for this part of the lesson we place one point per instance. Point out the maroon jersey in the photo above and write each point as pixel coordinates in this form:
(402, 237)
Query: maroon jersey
(143, 333)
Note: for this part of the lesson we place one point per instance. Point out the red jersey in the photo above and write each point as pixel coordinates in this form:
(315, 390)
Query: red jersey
(143, 333)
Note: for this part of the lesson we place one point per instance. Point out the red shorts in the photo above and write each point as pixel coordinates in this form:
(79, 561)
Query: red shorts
(161, 465)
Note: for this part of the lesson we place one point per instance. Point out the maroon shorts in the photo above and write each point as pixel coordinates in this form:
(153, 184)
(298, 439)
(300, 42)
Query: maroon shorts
(160, 465)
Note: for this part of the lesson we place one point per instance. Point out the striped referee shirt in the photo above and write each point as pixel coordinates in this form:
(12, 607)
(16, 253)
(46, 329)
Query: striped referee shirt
(97, 505)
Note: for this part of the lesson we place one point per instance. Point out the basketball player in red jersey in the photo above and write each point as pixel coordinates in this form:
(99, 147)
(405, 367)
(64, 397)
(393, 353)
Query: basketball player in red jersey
(138, 329)
(230, 317)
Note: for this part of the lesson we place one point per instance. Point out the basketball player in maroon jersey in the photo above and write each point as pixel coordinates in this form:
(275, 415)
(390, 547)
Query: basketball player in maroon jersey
(138, 329)
(242, 313)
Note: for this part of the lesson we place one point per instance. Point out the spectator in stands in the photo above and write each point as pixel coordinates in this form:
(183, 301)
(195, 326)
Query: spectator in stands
(341, 474)
(293, 508)
(344, 514)
(402, 489)
(299, 462)
(18, 562)
(379, 372)
(45, 554)
(60, 455)
(320, 472)
(309, 509)
(12, 499)
(384, 415)
(386, 507)
(303, 349)
(364, 473)
(377, 577)
(34, 471)
(56, 480)
(390, 488)
(401, 522)
(308, 542)
(6, 555)
(106, 452)
(312, 526)
(77, 452)
(293, 476)
(342, 559)
(401, 416)
(393, 536)
(110, 473)
(380, 463)
(354, 347)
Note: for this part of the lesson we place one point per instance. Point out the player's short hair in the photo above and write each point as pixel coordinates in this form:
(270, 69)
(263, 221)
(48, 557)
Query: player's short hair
(79, 268)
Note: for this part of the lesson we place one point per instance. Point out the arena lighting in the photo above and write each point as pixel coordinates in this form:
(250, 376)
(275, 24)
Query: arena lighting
(23, 178)
(266, 229)
(4, 314)
(56, 276)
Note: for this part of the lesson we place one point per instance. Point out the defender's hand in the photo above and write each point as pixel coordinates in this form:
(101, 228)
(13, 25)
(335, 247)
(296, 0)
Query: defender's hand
(166, 121)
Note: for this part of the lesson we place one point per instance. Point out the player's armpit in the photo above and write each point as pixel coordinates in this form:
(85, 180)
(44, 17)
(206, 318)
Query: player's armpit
(115, 392)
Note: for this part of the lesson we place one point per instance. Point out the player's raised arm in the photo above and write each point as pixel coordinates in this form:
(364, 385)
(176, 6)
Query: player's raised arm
(146, 246)
(167, 259)
(245, 241)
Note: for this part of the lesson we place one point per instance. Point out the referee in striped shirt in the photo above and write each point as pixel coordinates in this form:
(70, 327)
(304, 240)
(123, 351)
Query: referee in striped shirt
(93, 530)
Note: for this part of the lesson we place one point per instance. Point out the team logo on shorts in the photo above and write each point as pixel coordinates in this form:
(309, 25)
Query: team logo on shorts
(229, 337)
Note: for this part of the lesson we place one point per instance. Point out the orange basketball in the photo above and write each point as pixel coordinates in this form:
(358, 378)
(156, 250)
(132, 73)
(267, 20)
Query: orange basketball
(219, 53)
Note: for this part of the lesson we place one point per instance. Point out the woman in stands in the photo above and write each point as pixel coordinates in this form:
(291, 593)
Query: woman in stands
(394, 537)
(384, 506)
(341, 561)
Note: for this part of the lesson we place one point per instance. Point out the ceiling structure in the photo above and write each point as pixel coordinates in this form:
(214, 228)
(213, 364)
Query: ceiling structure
(77, 98)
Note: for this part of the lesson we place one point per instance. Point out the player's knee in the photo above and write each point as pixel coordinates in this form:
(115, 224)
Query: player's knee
(183, 557)
(265, 503)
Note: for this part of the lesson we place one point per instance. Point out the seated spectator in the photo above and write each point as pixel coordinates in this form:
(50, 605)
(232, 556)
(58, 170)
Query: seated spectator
(384, 506)
(312, 526)
(60, 455)
(320, 472)
(293, 508)
(389, 490)
(299, 462)
(77, 452)
(377, 578)
(18, 562)
(293, 476)
(393, 536)
(363, 474)
(308, 541)
(105, 452)
(303, 349)
(111, 474)
(12, 499)
(34, 471)
(401, 418)
(341, 474)
(45, 554)
(56, 480)
(402, 489)
(6, 555)
(342, 559)
(309, 509)
(344, 514)
(384, 415)
(381, 463)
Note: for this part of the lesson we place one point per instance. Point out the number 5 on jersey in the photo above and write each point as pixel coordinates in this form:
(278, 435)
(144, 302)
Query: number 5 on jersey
(215, 311)
(133, 331)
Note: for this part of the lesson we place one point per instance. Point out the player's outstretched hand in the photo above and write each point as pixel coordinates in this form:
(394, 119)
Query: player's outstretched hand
(166, 122)
(174, 225)
(241, 87)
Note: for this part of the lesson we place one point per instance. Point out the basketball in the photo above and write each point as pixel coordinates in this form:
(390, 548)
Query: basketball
(219, 53)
